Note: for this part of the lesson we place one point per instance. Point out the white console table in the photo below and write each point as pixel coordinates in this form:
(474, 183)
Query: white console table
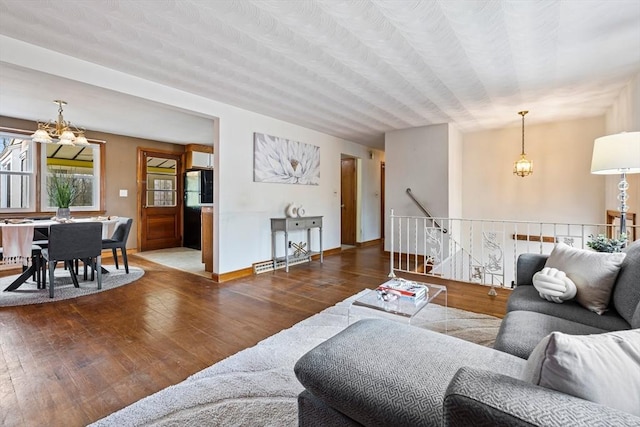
(291, 224)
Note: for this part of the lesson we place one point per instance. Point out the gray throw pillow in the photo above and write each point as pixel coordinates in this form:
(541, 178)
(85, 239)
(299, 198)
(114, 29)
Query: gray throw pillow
(594, 273)
(602, 368)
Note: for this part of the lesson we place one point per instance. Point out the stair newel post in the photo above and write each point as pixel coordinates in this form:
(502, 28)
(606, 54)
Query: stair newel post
(391, 273)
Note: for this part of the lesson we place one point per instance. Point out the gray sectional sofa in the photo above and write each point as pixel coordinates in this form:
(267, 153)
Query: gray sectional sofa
(383, 373)
(530, 318)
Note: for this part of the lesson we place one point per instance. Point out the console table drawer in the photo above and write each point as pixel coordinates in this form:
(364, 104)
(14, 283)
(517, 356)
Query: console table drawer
(280, 224)
(304, 223)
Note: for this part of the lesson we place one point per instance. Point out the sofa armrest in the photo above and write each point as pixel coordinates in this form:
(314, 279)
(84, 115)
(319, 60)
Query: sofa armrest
(489, 398)
(527, 266)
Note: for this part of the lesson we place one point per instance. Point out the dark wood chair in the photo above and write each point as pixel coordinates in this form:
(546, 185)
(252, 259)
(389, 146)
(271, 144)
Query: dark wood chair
(74, 241)
(119, 240)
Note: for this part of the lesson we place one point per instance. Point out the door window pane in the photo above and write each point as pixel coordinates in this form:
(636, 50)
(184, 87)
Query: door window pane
(161, 182)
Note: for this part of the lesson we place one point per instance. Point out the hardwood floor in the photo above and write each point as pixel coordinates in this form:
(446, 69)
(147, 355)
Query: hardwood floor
(72, 362)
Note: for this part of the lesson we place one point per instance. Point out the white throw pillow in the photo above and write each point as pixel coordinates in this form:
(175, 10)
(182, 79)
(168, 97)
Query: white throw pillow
(594, 273)
(554, 285)
(602, 368)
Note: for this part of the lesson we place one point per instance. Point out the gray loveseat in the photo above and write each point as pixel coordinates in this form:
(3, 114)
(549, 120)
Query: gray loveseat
(530, 318)
(382, 373)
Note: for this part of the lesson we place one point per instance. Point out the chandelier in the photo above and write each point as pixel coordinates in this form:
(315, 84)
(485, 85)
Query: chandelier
(523, 166)
(60, 131)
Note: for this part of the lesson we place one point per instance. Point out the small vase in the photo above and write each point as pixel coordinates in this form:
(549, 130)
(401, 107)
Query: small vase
(63, 213)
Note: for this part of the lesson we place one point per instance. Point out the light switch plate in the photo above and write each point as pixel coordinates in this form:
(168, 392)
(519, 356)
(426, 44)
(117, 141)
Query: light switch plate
(124, 193)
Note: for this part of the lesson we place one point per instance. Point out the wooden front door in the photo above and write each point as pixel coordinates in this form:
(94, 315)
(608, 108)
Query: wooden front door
(348, 202)
(159, 201)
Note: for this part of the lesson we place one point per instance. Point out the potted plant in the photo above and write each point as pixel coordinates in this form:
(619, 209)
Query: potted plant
(601, 243)
(63, 190)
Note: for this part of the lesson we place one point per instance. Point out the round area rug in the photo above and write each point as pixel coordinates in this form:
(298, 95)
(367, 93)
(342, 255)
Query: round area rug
(28, 293)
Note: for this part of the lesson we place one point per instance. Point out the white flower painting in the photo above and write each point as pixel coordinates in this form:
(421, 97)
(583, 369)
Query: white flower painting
(284, 161)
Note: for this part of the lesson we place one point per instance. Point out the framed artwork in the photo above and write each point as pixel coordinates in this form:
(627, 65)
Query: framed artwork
(284, 161)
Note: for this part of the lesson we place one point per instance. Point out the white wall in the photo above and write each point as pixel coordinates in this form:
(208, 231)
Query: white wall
(624, 116)
(245, 207)
(561, 189)
(369, 182)
(417, 158)
(242, 207)
(455, 172)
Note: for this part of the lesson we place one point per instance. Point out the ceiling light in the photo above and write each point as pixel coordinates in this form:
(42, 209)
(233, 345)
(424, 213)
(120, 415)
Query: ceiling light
(59, 131)
(523, 166)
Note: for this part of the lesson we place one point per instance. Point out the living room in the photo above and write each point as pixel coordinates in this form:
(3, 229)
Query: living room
(473, 176)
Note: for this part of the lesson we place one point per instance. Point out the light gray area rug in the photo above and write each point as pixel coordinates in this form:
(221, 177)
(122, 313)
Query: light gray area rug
(28, 293)
(257, 386)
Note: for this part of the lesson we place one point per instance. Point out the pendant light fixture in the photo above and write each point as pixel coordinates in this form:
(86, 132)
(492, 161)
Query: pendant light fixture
(59, 131)
(523, 166)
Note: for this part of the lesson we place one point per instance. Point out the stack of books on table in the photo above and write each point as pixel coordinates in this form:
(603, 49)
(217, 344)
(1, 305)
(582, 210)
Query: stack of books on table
(405, 289)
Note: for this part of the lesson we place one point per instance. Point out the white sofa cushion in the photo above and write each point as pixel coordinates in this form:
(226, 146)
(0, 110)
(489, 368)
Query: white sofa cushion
(602, 368)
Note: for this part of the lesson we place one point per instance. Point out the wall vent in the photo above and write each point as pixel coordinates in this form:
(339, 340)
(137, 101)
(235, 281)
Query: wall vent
(266, 266)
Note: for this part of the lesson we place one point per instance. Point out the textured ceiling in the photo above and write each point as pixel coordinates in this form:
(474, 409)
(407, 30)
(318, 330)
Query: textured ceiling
(356, 69)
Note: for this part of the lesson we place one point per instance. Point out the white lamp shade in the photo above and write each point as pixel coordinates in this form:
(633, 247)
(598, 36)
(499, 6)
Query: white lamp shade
(81, 140)
(41, 135)
(68, 135)
(616, 153)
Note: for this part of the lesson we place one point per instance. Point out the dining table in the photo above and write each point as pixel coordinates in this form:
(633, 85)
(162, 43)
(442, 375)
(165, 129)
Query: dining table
(18, 241)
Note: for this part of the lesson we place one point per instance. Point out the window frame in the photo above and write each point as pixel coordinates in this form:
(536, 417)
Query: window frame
(38, 188)
(97, 188)
(31, 174)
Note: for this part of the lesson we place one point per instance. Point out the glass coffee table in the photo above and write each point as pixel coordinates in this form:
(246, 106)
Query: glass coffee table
(398, 308)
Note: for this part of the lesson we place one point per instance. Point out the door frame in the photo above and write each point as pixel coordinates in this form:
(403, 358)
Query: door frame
(356, 196)
(142, 153)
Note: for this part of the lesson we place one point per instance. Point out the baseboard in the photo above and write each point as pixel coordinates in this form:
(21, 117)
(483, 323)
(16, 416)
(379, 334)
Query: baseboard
(328, 252)
(244, 272)
(232, 275)
(373, 242)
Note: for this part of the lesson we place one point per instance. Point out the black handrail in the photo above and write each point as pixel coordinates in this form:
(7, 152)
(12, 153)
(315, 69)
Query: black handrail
(424, 210)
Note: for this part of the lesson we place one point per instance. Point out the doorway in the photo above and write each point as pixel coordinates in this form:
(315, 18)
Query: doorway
(382, 196)
(348, 202)
(159, 204)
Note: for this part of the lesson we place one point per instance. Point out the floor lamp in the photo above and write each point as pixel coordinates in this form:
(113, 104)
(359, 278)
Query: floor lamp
(618, 154)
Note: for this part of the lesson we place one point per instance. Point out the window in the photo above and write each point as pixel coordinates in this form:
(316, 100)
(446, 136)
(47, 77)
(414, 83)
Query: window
(17, 174)
(24, 179)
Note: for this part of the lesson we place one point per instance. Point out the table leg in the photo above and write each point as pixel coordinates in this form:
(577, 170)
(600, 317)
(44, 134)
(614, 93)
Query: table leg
(72, 272)
(273, 250)
(286, 251)
(22, 278)
(321, 251)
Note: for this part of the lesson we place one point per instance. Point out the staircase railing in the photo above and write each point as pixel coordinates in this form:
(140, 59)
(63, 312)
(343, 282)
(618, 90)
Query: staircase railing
(478, 251)
(424, 210)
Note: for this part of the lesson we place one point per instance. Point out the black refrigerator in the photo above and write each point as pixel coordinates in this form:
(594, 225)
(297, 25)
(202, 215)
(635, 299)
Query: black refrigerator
(198, 192)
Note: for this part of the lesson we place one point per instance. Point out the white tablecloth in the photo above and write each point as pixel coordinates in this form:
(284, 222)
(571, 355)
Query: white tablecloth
(16, 243)
(17, 239)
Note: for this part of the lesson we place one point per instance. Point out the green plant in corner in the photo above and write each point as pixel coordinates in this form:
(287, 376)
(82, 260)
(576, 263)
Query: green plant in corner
(63, 189)
(601, 243)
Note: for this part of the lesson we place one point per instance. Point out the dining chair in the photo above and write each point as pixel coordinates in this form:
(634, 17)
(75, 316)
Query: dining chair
(119, 240)
(74, 241)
